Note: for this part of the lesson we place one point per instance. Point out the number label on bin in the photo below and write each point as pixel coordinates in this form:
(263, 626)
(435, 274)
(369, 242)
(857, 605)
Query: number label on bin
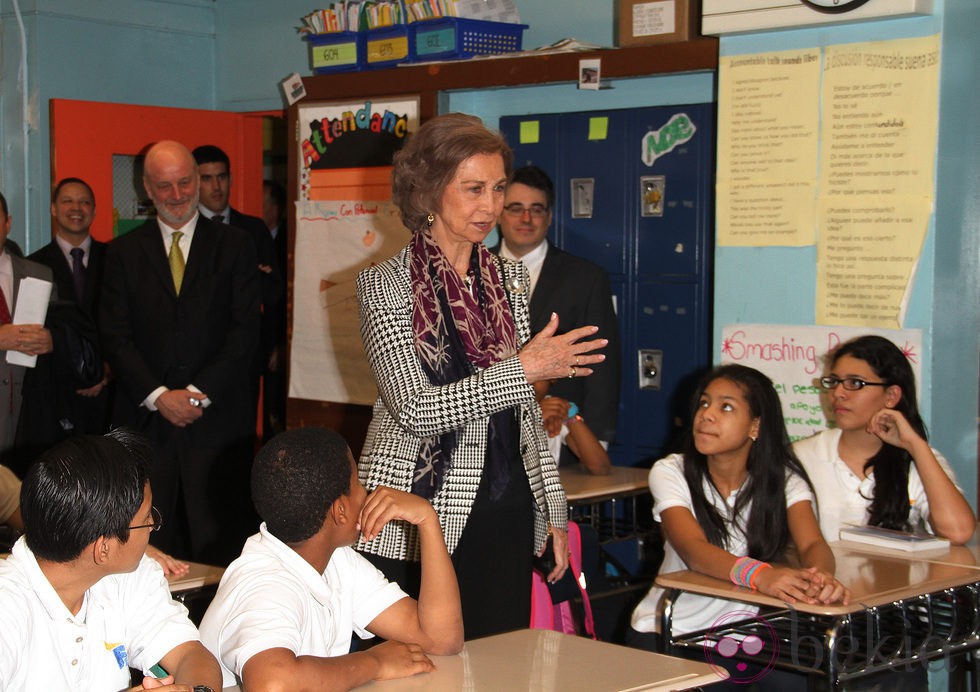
(388, 49)
(439, 41)
(335, 54)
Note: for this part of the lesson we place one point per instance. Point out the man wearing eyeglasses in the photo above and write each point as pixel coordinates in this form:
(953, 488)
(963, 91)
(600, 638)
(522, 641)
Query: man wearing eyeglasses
(574, 288)
(80, 603)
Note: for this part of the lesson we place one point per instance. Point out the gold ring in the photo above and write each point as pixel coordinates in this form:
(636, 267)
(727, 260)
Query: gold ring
(571, 371)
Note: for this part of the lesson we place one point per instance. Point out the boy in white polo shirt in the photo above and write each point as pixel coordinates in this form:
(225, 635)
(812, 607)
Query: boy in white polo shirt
(285, 609)
(80, 603)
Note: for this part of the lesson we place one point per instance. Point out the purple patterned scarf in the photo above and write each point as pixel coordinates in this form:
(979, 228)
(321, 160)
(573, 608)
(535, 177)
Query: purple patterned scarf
(455, 332)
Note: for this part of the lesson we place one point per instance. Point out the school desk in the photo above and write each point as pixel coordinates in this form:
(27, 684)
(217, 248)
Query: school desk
(902, 610)
(967, 554)
(611, 503)
(197, 577)
(545, 660)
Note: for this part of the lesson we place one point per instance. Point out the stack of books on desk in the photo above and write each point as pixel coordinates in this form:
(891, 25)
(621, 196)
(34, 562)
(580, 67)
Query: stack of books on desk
(893, 540)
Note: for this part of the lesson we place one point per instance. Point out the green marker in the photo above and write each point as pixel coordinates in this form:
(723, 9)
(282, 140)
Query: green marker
(157, 671)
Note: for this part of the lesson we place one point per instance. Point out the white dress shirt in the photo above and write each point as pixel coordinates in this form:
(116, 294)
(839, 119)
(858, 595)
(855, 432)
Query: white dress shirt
(532, 260)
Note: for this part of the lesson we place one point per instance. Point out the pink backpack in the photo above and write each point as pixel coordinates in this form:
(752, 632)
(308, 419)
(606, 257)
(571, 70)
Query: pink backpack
(562, 617)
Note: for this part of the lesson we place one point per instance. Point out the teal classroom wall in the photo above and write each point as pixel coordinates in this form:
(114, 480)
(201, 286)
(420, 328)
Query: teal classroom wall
(231, 54)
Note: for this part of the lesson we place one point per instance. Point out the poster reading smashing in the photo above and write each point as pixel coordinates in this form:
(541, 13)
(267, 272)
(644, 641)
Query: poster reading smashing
(794, 357)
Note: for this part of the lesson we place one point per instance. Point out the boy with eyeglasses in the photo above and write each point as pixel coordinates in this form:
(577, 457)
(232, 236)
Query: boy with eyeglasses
(80, 603)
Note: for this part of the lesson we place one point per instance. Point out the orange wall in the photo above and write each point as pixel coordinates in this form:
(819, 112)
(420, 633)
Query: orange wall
(85, 135)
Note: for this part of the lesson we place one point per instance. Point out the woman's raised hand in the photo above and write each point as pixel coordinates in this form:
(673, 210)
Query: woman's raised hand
(550, 357)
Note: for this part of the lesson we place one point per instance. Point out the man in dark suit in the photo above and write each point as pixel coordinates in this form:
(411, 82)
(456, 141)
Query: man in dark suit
(31, 339)
(76, 261)
(180, 317)
(575, 288)
(214, 167)
(274, 395)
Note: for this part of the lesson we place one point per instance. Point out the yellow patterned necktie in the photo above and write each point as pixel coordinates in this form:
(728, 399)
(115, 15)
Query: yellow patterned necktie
(176, 259)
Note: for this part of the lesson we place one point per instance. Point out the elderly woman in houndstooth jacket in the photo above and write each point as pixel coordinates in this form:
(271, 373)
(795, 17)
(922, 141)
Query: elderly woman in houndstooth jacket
(445, 327)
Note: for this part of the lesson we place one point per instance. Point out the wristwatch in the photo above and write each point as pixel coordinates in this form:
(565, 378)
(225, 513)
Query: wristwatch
(202, 688)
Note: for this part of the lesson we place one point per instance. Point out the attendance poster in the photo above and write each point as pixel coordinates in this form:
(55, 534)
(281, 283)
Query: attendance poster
(339, 142)
(794, 357)
(335, 240)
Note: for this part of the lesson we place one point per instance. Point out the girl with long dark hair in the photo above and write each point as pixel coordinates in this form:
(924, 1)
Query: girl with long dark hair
(731, 503)
(876, 466)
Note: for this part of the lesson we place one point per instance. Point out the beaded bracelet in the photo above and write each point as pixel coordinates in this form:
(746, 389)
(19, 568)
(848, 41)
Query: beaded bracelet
(572, 410)
(745, 570)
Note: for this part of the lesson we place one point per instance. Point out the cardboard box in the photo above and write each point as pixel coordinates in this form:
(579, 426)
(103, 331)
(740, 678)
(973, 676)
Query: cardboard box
(642, 22)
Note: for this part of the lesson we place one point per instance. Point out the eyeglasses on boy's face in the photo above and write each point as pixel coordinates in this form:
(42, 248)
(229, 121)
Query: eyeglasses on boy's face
(157, 521)
(538, 211)
(851, 384)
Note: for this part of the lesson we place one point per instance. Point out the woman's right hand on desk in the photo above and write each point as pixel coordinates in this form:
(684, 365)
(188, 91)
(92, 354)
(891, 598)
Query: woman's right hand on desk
(785, 583)
(550, 357)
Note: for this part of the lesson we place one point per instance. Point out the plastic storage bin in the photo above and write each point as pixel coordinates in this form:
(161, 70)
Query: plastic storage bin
(339, 51)
(456, 37)
(386, 46)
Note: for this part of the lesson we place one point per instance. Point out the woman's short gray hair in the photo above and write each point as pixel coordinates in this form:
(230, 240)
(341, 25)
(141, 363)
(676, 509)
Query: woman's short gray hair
(430, 157)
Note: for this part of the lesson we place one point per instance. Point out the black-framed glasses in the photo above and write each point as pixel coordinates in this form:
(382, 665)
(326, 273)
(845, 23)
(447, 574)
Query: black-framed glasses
(157, 521)
(851, 384)
(538, 211)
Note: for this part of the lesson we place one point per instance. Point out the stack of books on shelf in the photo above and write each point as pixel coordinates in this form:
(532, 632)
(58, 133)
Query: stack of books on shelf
(367, 34)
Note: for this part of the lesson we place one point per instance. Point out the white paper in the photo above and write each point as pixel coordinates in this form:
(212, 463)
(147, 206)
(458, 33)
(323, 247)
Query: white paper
(31, 308)
(489, 10)
(589, 73)
(335, 240)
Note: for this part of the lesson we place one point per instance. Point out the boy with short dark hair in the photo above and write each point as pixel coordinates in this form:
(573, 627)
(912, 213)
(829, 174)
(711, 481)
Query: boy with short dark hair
(79, 601)
(285, 609)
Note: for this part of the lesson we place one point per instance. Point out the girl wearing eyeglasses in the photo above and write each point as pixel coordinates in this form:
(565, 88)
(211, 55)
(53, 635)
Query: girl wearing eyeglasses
(876, 466)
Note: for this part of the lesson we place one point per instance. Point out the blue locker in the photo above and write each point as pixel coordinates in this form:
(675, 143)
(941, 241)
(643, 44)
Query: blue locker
(672, 234)
(592, 157)
(534, 140)
(651, 228)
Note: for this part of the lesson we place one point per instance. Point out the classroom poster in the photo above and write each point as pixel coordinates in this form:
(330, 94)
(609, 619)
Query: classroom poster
(794, 357)
(348, 137)
(768, 109)
(878, 140)
(334, 241)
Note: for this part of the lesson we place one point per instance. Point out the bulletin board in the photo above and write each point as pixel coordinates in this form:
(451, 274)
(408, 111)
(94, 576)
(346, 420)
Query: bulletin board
(342, 222)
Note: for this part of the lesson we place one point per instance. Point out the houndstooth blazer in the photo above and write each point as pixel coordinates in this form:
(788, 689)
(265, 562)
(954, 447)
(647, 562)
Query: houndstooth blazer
(409, 408)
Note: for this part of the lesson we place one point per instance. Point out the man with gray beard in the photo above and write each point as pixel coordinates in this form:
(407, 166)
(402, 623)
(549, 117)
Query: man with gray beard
(180, 323)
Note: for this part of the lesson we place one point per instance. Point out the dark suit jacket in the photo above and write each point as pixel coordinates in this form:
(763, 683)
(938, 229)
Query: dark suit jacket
(579, 292)
(51, 256)
(53, 409)
(12, 376)
(271, 285)
(206, 337)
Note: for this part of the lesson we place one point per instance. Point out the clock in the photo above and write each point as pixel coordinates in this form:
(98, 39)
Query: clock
(833, 6)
